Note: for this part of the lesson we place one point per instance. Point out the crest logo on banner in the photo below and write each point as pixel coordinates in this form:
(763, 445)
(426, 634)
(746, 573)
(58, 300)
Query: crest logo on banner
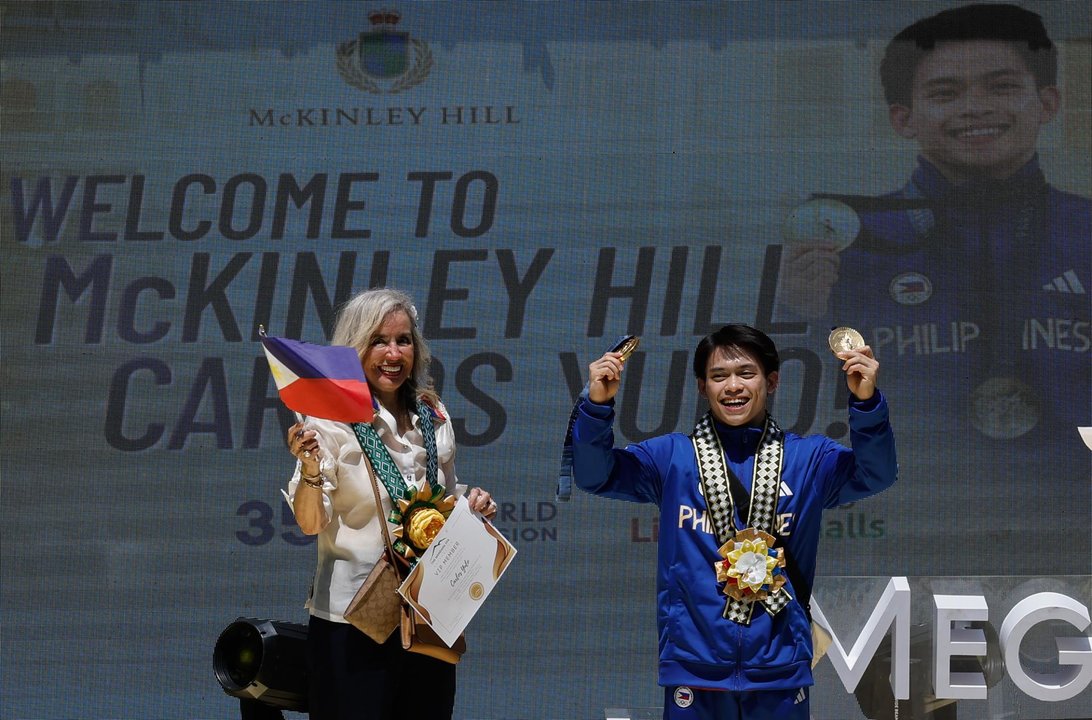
(383, 60)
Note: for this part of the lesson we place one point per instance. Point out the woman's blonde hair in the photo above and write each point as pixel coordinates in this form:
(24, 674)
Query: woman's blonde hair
(358, 323)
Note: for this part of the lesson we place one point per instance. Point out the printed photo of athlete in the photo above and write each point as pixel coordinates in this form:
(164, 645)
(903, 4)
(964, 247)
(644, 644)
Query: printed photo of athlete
(973, 281)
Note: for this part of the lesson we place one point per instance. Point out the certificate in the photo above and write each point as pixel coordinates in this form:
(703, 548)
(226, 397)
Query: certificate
(457, 572)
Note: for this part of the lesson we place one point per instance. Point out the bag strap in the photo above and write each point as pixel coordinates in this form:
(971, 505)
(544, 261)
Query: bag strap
(379, 512)
(383, 468)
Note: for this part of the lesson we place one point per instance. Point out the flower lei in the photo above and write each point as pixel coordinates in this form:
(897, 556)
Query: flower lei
(752, 568)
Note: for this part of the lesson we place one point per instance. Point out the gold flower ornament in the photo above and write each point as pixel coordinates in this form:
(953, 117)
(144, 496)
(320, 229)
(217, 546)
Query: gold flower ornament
(420, 519)
(752, 568)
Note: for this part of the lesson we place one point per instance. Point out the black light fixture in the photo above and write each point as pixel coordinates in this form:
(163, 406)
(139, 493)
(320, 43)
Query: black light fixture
(263, 661)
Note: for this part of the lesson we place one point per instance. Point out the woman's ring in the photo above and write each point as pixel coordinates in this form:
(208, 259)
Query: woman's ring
(307, 453)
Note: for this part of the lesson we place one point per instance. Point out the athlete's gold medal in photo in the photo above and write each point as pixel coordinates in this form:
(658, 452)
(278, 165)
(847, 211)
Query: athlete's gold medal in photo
(822, 220)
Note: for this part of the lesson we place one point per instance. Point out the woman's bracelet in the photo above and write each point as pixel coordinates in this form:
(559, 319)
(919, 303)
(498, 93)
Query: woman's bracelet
(315, 481)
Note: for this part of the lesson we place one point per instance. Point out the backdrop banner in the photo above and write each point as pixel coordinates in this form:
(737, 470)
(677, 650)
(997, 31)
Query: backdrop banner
(543, 178)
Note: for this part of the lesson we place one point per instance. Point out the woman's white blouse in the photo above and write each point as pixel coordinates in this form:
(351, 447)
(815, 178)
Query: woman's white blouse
(352, 541)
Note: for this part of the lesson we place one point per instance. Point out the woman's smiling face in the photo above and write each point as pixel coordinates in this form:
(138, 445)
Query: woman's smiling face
(388, 361)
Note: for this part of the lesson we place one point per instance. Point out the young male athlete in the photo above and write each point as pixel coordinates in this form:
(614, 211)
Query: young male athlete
(740, 508)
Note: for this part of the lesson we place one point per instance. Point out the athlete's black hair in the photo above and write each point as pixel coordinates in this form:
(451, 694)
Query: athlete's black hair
(753, 341)
(1010, 23)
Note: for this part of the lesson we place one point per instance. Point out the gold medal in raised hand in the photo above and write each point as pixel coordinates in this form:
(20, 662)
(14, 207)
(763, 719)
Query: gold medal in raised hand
(626, 346)
(822, 221)
(844, 339)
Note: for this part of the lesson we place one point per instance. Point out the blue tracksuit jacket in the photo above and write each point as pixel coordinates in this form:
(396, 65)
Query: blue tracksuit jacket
(698, 647)
(992, 281)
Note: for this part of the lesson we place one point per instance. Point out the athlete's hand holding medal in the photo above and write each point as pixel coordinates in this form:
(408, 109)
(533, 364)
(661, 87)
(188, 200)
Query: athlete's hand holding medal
(814, 233)
(605, 374)
(858, 363)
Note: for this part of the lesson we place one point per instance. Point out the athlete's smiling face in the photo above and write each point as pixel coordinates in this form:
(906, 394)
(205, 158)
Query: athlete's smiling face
(736, 386)
(975, 109)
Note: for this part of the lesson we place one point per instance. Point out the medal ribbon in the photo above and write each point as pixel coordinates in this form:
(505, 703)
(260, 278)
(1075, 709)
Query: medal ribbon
(716, 482)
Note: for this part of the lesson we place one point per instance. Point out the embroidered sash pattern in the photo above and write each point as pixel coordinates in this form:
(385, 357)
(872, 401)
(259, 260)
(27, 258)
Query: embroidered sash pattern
(389, 474)
(715, 480)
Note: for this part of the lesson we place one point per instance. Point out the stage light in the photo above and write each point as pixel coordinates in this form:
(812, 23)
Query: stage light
(263, 660)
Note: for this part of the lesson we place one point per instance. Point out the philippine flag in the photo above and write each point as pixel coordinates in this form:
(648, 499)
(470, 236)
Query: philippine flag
(324, 381)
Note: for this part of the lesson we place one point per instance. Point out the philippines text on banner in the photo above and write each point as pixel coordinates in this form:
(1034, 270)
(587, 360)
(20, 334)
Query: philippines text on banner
(324, 381)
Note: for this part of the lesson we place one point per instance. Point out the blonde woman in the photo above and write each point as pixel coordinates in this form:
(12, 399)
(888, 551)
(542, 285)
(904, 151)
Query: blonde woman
(350, 675)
